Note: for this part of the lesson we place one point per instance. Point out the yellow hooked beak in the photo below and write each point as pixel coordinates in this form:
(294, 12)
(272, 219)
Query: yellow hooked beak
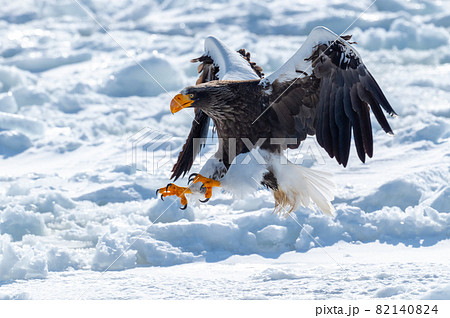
(179, 102)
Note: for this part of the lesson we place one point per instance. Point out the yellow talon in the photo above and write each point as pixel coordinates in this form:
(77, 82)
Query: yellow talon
(172, 189)
(207, 183)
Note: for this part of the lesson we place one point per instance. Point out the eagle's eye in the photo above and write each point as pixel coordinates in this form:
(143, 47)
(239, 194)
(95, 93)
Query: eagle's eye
(191, 96)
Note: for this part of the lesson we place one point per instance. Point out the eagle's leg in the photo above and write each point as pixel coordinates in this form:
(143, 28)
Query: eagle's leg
(172, 189)
(208, 184)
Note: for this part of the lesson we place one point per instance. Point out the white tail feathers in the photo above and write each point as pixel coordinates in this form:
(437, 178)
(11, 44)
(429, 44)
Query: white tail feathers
(299, 185)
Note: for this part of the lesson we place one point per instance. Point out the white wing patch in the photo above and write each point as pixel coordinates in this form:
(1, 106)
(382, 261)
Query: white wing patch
(296, 66)
(231, 64)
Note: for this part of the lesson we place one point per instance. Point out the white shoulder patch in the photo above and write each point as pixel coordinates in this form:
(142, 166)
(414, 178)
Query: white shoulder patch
(231, 64)
(296, 66)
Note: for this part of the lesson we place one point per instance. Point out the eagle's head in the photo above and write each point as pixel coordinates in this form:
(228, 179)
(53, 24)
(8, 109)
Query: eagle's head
(212, 97)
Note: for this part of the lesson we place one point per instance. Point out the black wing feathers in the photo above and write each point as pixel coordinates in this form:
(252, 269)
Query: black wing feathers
(324, 111)
(346, 91)
(344, 127)
(371, 85)
(334, 130)
(332, 102)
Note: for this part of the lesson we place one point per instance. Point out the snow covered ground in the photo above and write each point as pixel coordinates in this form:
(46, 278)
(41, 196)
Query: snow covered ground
(71, 97)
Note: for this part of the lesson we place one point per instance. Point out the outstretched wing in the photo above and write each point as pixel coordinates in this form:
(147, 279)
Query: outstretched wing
(217, 63)
(325, 90)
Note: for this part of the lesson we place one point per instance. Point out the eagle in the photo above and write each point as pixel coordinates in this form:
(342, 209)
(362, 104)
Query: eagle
(323, 90)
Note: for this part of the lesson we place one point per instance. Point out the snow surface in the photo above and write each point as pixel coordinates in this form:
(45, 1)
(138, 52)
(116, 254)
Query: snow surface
(70, 203)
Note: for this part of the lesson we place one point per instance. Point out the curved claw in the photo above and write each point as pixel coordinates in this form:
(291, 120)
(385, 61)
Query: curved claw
(192, 177)
(204, 201)
(172, 189)
(183, 207)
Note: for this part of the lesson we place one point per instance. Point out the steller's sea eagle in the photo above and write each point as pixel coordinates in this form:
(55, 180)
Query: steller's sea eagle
(324, 89)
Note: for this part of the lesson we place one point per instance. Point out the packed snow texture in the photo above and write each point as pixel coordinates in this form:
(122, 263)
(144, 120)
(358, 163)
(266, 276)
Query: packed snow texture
(73, 95)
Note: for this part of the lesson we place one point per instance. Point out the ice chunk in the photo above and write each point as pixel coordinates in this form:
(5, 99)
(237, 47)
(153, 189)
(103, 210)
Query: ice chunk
(271, 235)
(11, 77)
(16, 263)
(276, 274)
(442, 202)
(159, 253)
(17, 222)
(304, 241)
(25, 96)
(113, 254)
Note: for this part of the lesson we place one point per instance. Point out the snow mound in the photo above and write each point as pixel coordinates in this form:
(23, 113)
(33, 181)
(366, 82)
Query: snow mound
(276, 274)
(133, 250)
(19, 296)
(132, 80)
(438, 293)
(69, 104)
(166, 212)
(8, 103)
(20, 123)
(18, 188)
(399, 193)
(390, 291)
(433, 130)
(123, 193)
(13, 143)
(37, 64)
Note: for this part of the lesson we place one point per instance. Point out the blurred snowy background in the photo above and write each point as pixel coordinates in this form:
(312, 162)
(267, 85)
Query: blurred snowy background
(70, 97)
